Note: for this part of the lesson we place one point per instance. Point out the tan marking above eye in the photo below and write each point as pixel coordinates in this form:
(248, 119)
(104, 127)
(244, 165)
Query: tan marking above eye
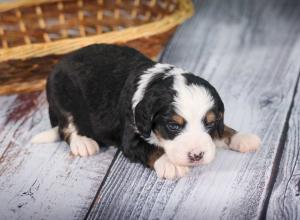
(178, 119)
(210, 117)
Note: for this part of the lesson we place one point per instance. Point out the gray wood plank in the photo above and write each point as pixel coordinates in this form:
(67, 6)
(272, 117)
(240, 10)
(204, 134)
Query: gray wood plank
(14, 108)
(42, 181)
(285, 198)
(250, 51)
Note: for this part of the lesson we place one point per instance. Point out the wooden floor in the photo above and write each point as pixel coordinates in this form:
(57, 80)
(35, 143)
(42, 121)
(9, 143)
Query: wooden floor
(250, 51)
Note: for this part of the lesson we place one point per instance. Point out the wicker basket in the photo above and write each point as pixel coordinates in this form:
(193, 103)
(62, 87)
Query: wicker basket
(35, 33)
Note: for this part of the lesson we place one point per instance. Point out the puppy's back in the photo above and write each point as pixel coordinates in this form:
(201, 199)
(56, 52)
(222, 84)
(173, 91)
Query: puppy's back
(96, 82)
(100, 70)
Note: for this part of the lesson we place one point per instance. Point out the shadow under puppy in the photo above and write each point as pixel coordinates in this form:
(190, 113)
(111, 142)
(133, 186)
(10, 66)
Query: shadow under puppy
(159, 115)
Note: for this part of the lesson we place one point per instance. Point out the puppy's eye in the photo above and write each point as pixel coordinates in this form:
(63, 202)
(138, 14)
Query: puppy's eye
(173, 126)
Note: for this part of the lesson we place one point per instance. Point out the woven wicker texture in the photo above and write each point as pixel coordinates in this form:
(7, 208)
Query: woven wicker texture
(43, 28)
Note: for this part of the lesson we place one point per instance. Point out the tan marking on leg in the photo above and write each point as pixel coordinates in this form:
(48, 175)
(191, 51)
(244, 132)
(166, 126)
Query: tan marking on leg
(157, 153)
(225, 140)
(228, 133)
(238, 141)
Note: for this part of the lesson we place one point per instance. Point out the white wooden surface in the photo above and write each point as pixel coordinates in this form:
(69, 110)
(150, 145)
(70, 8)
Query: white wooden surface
(42, 181)
(250, 51)
(285, 198)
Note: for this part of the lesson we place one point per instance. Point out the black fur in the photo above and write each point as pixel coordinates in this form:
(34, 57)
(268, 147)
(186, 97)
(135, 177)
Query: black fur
(158, 97)
(95, 86)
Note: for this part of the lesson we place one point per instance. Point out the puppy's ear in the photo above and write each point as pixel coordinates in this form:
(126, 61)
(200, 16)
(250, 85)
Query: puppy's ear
(220, 124)
(143, 116)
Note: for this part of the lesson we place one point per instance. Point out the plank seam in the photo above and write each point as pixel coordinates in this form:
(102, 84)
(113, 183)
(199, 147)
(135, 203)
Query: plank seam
(102, 184)
(160, 58)
(278, 156)
(289, 179)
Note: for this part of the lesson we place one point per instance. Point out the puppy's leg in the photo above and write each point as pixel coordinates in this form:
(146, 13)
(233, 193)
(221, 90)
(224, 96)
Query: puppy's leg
(68, 109)
(238, 141)
(80, 145)
(163, 167)
(83, 146)
(138, 150)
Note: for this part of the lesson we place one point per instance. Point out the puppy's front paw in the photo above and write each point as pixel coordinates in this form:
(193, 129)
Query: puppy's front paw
(165, 169)
(245, 142)
(83, 146)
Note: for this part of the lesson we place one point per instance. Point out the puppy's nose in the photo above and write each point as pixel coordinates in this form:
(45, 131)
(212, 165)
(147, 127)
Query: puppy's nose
(195, 157)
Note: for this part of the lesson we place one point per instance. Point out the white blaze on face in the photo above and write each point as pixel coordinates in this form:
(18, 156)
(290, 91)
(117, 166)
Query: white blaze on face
(192, 103)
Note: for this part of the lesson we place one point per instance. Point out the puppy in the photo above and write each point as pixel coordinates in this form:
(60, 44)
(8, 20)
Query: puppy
(159, 115)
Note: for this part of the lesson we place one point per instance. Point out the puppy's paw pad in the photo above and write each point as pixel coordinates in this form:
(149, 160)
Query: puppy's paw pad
(245, 142)
(165, 169)
(83, 146)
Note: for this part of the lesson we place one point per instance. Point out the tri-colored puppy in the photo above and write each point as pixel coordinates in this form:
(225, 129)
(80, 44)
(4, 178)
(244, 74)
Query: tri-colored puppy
(159, 115)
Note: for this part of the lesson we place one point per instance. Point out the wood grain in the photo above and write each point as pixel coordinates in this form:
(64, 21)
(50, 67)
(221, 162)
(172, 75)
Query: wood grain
(285, 198)
(42, 181)
(249, 50)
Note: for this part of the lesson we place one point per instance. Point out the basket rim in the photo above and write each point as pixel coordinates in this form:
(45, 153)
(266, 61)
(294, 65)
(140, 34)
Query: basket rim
(184, 11)
(5, 6)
